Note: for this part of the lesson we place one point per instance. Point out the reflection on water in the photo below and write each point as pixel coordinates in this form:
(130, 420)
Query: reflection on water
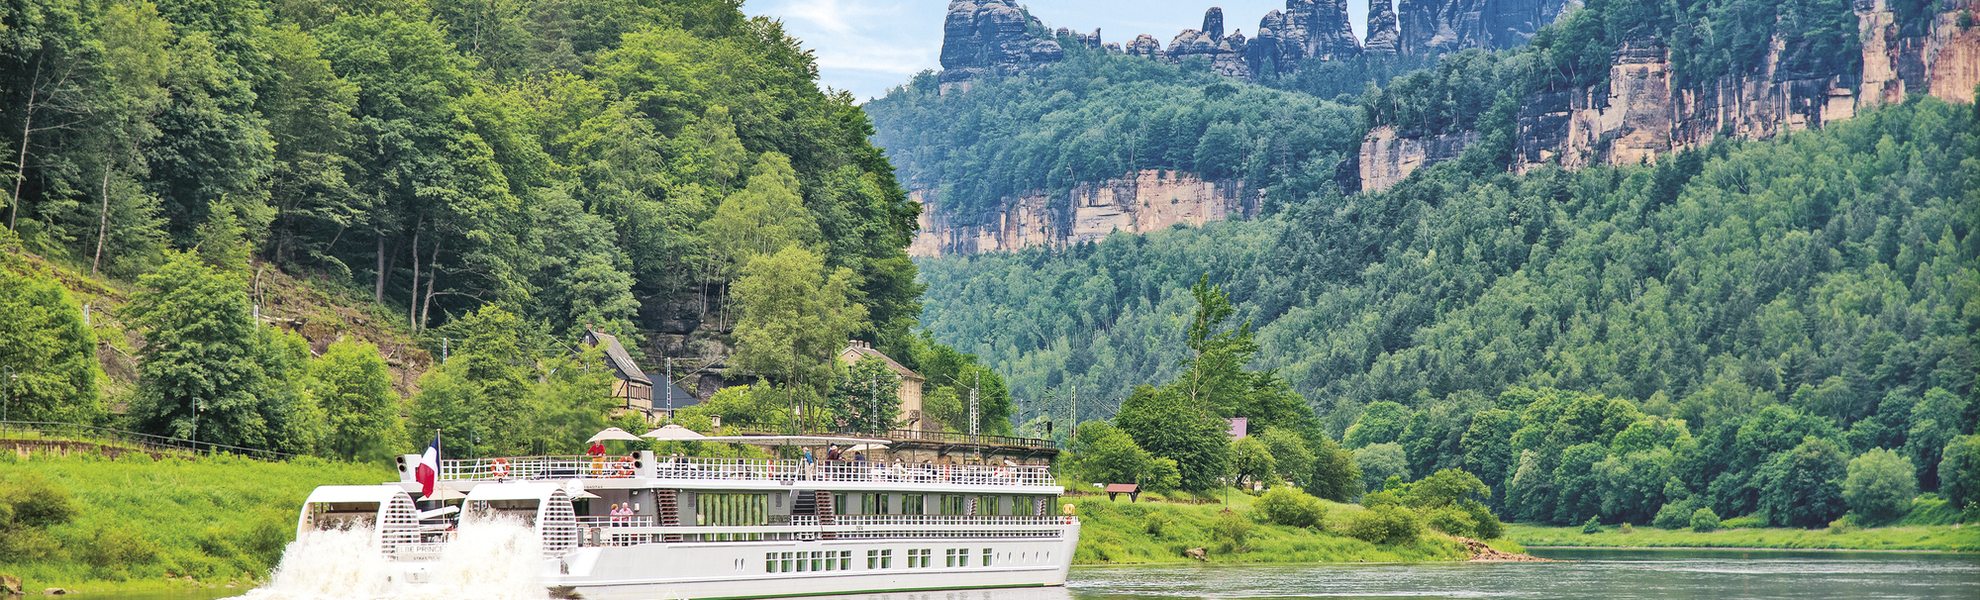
(1621, 574)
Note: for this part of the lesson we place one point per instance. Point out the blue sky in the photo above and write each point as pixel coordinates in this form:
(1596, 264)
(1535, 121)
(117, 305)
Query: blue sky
(867, 46)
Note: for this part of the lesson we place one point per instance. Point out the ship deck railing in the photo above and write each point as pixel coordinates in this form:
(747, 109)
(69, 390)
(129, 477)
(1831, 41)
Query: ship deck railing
(535, 468)
(807, 527)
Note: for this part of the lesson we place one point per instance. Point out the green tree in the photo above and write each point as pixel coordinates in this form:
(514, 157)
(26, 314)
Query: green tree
(482, 399)
(1293, 458)
(1803, 487)
(1291, 507)
(796, 316)
(572, 401)
(1879, 486)
(45, 346)
(764, 218)
(202, 363)
(1169, 426)
(1379, 462)
(1379, 423)
(1252, 462)
(866, 399)
(1448, 487)
(354, 390)
(1335, 476)
(1959, 471)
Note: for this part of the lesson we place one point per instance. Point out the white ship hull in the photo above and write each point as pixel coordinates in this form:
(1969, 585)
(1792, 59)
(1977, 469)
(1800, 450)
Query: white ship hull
(729, 570)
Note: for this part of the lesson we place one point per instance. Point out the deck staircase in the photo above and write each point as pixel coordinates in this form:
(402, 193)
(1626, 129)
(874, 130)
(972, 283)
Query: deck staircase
(669, 505)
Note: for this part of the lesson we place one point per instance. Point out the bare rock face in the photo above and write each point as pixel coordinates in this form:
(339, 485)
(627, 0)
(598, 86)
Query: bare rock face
(1139, 202)
(1641, 114)
(1213, 22)
(1307, 30)
(1145, 46)
(1227, 55)
(985, 36)
(1382, 35)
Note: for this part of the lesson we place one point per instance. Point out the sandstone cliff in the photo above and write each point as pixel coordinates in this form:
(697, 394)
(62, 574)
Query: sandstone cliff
(1641, 112)
(1144, 201)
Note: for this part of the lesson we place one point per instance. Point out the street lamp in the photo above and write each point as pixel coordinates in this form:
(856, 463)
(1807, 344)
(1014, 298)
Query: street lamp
(7, 390)
(197, 406)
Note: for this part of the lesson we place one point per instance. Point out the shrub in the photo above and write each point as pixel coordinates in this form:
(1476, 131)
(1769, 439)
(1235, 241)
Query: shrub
(1673, 516)
(1843, 525)
(1231, 531)
(1704, 520)
(1880, 486)
(1381, 498)
(1153, 525)
(1385, 525)
(117, 548)
(1291, 507)
(35, 502)
(1453, 521)
(1592, 525)
(1489, 526)
(1626, 529)
(1959, 470)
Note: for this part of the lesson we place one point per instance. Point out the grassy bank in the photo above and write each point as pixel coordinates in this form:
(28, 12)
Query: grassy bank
(1155, 530)
(142, 524)
(1951, 538)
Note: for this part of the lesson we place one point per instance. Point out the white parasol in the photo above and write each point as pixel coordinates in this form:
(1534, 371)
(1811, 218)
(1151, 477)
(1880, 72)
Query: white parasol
(673, 432)
(575, 489)
(614, 433)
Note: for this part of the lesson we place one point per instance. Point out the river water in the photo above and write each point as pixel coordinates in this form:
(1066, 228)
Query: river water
(1584, 573)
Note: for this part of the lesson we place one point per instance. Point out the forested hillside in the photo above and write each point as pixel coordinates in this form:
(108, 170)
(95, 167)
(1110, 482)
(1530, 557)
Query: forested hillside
(1821, 284)
(494, 179)
(1096, 116)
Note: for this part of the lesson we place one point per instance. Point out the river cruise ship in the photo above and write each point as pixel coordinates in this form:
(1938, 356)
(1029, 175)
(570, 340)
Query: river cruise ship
(933, 515)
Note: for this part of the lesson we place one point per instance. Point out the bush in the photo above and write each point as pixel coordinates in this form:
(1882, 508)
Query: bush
(1453, 521)
(1843, 525)
(1489, 526)
(1704, 521)
(1231, 532)
(1673, 516)
(1592, 525)
(1381, 498)
(35, 502)
(117, 549)
(1153, 525)
(1959, 470)
(1290, 507)
(1626, 529)
(1880, 486)
(1385, 525)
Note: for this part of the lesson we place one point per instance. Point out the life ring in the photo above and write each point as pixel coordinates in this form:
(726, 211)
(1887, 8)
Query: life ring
(625, 466)
(1003, 472)
(946, 471)
(1067, 510)
(501, 468)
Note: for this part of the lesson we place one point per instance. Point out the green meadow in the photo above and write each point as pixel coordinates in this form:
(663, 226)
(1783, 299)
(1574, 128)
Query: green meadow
(1930, 525)
(1160, 529)
(135, 523)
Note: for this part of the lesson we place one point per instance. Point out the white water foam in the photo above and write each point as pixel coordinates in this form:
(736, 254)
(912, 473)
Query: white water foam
(489, 560)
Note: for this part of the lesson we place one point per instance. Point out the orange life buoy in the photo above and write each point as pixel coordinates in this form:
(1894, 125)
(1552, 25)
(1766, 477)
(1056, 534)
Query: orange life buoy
(625, 467)
(501, 468)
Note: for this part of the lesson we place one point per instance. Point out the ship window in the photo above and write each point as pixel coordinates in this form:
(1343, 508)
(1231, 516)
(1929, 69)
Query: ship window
(873, 504)
(786, 562)
(872, 559)
(879, 559)
(955, 505)
(1021, 507)
(949, 558)
(911, 505)
(986, 557)
(770, 562)
(816, 558)
(986, 505)
(918, 557)
(845, 560)
(840, 506)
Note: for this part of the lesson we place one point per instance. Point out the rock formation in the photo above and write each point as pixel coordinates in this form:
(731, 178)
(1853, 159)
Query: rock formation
(1144, 201)
(1226, 54)
(1307, 30)
(1383, 39)
(1641, 113)
(985, 36)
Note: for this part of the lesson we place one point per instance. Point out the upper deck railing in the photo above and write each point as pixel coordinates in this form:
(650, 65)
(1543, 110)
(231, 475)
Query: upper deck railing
(528, 468)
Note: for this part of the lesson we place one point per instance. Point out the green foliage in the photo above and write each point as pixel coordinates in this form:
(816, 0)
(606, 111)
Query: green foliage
(1880, 486)
(1291, 456)
(796, 317)
(1335, 476)
(1704, 520)
(1592, 525)
(1291, 507)
(1385, 525)
(1169, 426)
(1713, 292)
(1380, 462)
(1673, 515)
(1803, 487)
(48, 354)
(865, 399)
(1447, 488)
(1379, 423)
(1231, 532)
(1252, 461)
(1105, 454)
(1451, 520)
(351, 385)
(1959, 471)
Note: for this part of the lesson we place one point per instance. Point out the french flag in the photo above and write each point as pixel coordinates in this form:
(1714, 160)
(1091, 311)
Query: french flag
(428, 471)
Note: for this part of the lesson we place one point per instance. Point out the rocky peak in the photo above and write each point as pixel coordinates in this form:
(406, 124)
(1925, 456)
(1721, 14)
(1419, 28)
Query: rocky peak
(1307, 29)
(985, 36)
(1382, 35)
(1213, 23)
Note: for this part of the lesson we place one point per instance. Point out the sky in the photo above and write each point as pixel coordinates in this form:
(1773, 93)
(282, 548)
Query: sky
(867, 46)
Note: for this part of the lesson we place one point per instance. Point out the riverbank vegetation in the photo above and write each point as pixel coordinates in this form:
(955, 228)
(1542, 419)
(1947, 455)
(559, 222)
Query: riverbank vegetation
(1946, 538)
(1161, 529)
(89, 523)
